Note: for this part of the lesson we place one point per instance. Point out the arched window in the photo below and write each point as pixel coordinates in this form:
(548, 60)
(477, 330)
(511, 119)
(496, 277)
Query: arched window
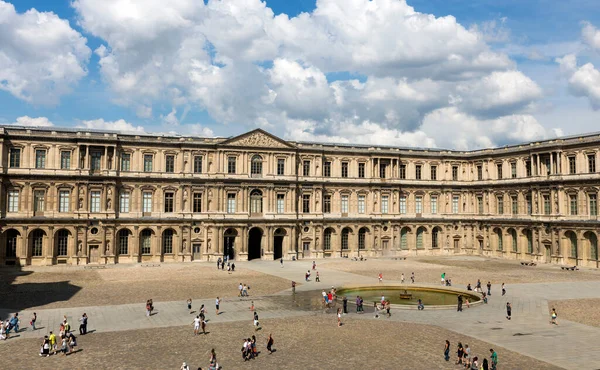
(573, 243)
(513, 236)
(593, 241)
(345, 233)
(420, 232)
(62, 242)
(499, 237)
(529, 241)
(37, 242)
(327, 240)
(11, 243)
(362, 236)
(256, 201)
(404, 238)
(168, 241)
(146, 241)
(434, 238)
(256, 165)
(123, 241)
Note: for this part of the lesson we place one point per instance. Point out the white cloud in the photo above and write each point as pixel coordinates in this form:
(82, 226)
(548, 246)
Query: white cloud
(171, 118)
(41, 56)
(33, 122)
(591, 35)
(583, 81)
(119, 125)
(196, 129)
(493, 31)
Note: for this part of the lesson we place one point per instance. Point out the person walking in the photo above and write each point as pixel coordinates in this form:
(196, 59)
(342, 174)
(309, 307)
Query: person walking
(412, 277)
(317, 278)
(219, 263)
(314, 265)
(256, 323)
(466, 356)
(217, 302)
(489, 288)
(83, 321)
(270, 342)
(293, 287)
(203, 325)
(508, 310)
(484, 364)
(345, 305)
(339, 317)
(443, 278)
(32, 322)
(197, 324)
(213, 359)
(402, 279)
(459, 353)
(380, 277)
(459, 303)
(553, 316)
(184, 366)
(357, 304)
(503, 289)
(52, 342)
(281, 262)
(493, 359)
(387, 308)
(447, 350)
(241, 289)
(189, 305)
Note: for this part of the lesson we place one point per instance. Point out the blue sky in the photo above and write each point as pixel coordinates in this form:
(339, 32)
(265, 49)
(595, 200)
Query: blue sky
(281, 85)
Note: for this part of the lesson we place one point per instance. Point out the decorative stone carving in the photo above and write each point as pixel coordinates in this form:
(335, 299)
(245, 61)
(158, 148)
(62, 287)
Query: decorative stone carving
(257, 139)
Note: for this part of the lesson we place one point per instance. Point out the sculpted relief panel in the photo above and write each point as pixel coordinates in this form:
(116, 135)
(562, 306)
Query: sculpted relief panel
(258, 140)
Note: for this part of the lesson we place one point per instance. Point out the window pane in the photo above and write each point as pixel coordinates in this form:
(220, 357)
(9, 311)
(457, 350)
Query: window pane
(170, 164)
(197, 203)
(96, 161)
(361, 204)
(63, 201)
(148, 162)
(280, 167)
(344, 204)
(384, 204)
(125, 162)
(65, 160)
(169, 202)
(40, 158)
(39, 198)
(198, 164)
(402, 204)
(147, 202)
(230, 203)
(280, 203)
(95, 201)
(15, 157)
(124, 202)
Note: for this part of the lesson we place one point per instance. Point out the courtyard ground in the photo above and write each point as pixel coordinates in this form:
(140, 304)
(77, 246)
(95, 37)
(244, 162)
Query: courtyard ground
(461, 270)
(309, 342)
(584, 311)
(60, 286)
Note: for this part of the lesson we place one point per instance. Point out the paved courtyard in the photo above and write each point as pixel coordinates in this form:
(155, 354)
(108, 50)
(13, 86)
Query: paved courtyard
(123, 337)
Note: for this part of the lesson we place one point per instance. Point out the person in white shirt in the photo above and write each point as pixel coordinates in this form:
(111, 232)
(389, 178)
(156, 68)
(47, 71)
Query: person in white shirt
(217, 302)
(196, 325)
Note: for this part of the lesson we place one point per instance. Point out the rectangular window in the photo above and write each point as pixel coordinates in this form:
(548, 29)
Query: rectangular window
(15, 158)
(479, 173)
(39, 200)
(125, 161)
(434, 205)
(419, 205)
(40, 158)
(528, 201)
(480, 205)
(197, 164)
(197, 203)
(514, 205)
(305, 203)
(546, 204)
(147, 202)
(327, 169)
(280, 203)
(95, 201)
(384, 204)
(593, 205)
(65, 160)
(591, 163)
(499, 169)
(96, 161)
(434, 172)
(280, 166)
(231, 203)
(361, 170)
(403, 204)
(402, 171)
(344, 204)
(146, 243)
(169, 202)
(418, 172)
(573, 204)
(124, 202)
(361, 204)
(528, 168)
(123, 243)
(513, 170)
(455, 173)
(306, 168)
(326, 203)
(344, 169)
(231, 165)
(148, 162)
(382, 168)
(572, 165)
(455, 204)
(500, 205)
(63, 200)
(13, 201)
(169, 163)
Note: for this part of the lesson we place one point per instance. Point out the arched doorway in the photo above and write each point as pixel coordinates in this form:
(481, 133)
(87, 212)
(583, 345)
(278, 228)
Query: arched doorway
(404, 238)
(61, 243)
(435, 237)
(572, 243)
(254, 243)
(592, 244)
(498, 234)
(420, 232)
(145, 246)
(278, 243)
(229, 243)
(513, 239)
(12, 239)
(362, 238)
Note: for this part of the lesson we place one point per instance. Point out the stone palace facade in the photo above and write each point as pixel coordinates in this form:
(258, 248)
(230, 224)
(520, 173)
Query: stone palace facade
(85, 197)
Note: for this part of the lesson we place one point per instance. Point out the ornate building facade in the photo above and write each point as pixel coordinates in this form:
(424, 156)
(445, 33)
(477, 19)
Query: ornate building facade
(82, 197)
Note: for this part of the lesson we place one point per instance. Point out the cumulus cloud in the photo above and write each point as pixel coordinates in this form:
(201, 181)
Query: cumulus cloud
(119, 125)
(41, 56)
(591, 35)
(33, 122)
(349, 70)
(583, 81)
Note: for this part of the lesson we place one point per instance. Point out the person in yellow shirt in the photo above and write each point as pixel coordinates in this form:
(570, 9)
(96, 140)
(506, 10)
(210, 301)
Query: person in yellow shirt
(52, 340)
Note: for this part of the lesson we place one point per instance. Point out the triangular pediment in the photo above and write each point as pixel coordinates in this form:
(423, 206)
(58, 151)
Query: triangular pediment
(258, 139)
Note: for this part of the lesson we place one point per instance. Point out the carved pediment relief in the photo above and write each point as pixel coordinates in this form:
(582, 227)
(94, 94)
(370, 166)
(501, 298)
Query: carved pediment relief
(257, 139)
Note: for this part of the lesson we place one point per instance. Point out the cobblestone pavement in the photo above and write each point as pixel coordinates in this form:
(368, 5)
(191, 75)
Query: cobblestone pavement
(570, 345)
(308, 342)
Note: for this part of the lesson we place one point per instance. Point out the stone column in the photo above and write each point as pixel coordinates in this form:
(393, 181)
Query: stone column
(49, 253)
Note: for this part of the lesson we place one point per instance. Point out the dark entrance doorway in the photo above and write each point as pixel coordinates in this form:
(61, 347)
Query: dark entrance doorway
(254, 240)
(229, 243)
(278, 243)
(196, 251)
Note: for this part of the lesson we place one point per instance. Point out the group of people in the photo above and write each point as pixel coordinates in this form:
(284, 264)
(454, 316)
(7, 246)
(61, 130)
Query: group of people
(243, 290)
(66, 339)
(221, 262)
(464, 358)
(10, 324)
